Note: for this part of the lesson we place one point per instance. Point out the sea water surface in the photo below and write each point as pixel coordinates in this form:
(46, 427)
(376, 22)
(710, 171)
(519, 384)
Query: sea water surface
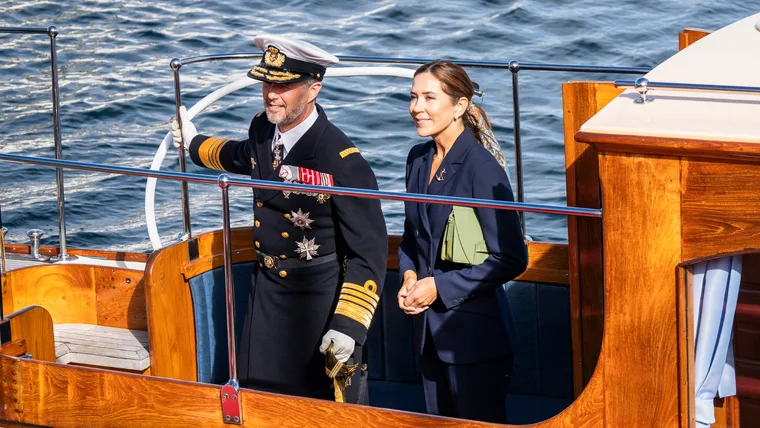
(117, 92)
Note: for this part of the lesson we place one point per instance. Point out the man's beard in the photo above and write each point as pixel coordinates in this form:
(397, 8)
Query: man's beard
(288, 117)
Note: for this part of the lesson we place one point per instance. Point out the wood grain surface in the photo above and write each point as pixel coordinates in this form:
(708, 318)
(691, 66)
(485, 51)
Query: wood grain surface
(580, 101)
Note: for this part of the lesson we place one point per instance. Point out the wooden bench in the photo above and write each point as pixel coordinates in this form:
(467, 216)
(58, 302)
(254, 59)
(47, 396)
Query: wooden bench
(101, 346)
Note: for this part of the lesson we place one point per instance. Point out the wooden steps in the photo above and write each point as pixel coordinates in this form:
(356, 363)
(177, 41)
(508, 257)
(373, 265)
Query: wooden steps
(101, 346)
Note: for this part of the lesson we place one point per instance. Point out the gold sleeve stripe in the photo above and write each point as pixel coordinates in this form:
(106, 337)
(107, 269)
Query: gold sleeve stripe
(216, 152)
(203, 152)
(209, 151)
(362, 290)
(348, 151)
(358, 302)
(363, 297)
(362, 316)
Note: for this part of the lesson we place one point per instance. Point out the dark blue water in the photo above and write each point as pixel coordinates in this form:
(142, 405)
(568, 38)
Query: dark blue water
(117, 91)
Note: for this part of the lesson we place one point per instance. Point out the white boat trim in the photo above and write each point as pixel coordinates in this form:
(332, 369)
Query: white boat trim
(734, 59)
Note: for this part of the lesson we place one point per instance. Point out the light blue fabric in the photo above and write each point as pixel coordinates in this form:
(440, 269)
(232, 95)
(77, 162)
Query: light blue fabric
(716, 290)
(207, 290)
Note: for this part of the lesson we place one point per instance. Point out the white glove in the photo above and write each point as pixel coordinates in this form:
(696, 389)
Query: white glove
(188, 129)
(343, 345)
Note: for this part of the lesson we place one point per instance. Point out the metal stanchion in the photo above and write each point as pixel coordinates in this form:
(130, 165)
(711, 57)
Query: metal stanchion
(176, 64)
(514, 67)
(232, 411)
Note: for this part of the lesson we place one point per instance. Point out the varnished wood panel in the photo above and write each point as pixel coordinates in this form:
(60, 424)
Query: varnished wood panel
(79, 294)
(749, 412)
(66, 291)
(642, 247)
(67, 396)
(171, 323)
(749, 292)
(587, 411)
(393, 244)
(14, 348)
(120, 298)
(47, 250)
(684, 317)
(206, 263)
(731, 150)
(725, 410)
(721, 207)
(727, 413)
(547, 262)
(34, 326)
(747, 339)
(689, 36)
(581, 101)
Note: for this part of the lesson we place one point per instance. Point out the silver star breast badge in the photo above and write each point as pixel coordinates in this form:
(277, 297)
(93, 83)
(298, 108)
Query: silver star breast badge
(307, 249)
(301, 220)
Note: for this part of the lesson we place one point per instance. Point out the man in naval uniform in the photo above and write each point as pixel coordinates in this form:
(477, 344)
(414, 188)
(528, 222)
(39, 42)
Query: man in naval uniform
(321, 258)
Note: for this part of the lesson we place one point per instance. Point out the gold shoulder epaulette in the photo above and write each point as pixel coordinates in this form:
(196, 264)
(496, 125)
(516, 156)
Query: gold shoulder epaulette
(357, 302)
(348, 151)
(259, 113)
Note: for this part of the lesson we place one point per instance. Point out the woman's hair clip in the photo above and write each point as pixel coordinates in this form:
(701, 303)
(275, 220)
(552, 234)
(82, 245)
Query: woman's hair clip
(476, 89)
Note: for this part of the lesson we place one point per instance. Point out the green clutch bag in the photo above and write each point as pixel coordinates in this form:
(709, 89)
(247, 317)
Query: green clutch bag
(463, 240)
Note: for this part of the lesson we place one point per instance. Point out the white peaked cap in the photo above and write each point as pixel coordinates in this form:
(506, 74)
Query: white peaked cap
(296, 49)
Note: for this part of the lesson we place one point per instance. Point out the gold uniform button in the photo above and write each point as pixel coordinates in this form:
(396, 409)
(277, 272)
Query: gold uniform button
(283, 256)
(259, 204)
(257, 244)
(283, 274)
(256, 223)
(286, 215)
(285, 234)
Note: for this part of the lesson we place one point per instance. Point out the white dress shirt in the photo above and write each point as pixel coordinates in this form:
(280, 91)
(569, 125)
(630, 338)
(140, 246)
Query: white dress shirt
(290, 138)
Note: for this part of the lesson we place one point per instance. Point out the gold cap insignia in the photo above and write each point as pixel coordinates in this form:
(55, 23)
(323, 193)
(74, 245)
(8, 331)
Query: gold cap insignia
(273, 57)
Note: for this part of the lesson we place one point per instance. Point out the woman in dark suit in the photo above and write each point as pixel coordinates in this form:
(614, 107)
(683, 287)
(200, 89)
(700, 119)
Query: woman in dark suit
(460, 311)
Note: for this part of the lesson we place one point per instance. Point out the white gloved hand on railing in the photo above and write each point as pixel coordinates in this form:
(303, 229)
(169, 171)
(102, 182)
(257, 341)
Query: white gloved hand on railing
(188, 129)
(343, 345)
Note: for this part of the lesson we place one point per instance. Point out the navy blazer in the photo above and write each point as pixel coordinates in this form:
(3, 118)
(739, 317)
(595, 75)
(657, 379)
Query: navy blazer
(468, 320)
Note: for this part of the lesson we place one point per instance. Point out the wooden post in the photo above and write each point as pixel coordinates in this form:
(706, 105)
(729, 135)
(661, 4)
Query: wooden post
(582, 100)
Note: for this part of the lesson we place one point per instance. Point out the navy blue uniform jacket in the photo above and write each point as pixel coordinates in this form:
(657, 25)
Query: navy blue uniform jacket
(468, 320)
(353, 227)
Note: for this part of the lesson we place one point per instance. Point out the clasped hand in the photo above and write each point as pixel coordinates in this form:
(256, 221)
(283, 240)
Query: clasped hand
(415, 296)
